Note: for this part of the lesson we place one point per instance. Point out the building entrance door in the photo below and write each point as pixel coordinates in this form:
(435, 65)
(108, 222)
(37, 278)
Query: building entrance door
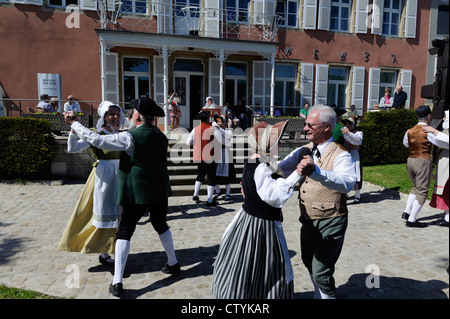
(190, 89)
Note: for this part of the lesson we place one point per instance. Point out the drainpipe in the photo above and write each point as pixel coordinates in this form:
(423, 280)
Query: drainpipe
(272, 84)
(166, 89)
(102, 67)
(221, 82)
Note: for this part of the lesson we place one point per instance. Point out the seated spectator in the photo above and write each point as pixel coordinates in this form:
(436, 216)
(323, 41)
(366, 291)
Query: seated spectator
(72, 106)
(304, 111)
(44, 106)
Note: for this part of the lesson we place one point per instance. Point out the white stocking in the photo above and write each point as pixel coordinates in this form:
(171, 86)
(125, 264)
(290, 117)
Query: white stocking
(409, 203)
(167, 243)
(121, 254)
(197, 188)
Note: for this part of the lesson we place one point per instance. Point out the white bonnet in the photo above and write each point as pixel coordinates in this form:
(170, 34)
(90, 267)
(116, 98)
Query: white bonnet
(102, 109)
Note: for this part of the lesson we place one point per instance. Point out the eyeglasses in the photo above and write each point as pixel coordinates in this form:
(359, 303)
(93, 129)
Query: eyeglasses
(309, 125)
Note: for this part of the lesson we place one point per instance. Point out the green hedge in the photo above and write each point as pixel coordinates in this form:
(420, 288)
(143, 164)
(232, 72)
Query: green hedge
(383, 136)
(27, 147)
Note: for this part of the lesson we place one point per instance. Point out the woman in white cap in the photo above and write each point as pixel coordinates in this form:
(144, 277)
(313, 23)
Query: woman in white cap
(209, 103)
(93, 225)
(253, 260)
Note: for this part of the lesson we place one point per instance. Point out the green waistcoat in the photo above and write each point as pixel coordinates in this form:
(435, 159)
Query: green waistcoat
(143, 177)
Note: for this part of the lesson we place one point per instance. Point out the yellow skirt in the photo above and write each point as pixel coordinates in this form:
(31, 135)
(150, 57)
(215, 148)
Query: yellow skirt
(80, 235)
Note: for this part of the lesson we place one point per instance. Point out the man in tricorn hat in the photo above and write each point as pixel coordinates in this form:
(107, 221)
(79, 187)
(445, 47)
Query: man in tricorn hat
(143, 181)
(419, 165)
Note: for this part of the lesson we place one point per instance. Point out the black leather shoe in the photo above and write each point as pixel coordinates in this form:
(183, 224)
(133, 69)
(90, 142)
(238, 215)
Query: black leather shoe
(213, 203)
(116, 290)
(443, 223)
(195, 199)
(106, 261)
(405, 216)
(172, 270)
(416, 224)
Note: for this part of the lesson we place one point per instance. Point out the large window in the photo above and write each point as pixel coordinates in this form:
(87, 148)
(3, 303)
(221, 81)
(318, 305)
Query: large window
(337, 86)
(134, 6)
(180, 4)
(235, 82)
(388, 79)
(237, 10)
(285, 79)
(288, 11)
(391, 17)
(340, 15)
(62, 3)
(136, 78)
(442, 22)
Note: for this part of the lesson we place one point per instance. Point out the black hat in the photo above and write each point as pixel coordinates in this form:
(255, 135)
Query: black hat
(423, 111)
(202, 115)
(146, 106)
(339, 112)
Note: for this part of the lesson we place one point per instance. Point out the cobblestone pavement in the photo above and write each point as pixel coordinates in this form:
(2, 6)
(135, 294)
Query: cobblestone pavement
(381, 258)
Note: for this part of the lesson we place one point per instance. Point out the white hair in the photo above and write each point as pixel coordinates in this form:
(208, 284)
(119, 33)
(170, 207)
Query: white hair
(326, 114)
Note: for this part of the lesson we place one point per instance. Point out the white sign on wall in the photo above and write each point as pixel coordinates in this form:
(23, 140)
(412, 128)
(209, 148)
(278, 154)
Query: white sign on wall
(50, 84)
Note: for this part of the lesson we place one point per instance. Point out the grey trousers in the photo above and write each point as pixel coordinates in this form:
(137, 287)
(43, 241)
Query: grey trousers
(419, 170)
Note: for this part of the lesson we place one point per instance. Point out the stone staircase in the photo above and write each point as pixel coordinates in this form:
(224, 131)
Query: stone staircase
(183, 171)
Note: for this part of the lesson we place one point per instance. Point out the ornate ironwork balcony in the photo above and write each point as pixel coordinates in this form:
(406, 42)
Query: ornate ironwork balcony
(161, 16)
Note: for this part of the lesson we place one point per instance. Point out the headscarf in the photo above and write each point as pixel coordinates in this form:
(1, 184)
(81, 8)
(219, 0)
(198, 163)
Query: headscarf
(263, 138)
(212, 100)
(102, 109)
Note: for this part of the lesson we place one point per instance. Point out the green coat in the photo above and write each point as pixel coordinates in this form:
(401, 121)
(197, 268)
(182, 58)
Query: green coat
(143, 177)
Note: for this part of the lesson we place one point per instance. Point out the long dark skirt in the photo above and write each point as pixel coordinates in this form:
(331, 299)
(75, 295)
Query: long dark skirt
(253, 261)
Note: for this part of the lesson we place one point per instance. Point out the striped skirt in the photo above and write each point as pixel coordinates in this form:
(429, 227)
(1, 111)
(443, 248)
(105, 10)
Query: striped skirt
(253, 261)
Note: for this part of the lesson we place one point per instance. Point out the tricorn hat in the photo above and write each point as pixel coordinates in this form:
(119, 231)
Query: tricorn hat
(147, 107)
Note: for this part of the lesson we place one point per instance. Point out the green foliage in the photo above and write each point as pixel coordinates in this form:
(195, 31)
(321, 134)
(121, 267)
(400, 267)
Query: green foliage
(383, 136)
(27, 147)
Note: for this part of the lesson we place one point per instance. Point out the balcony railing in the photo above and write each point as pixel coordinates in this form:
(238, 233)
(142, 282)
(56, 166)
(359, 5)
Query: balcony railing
(156, 16)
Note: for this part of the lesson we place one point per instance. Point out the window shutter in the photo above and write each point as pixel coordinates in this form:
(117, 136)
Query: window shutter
(410, 19)
(88, 5)
(361, 20)
(324, 14)
(110, 72)
(405, 82)
(309, 14)
(164, 10)
(214, 79)
(321, 84)
(159, 95)
(212, 18)
(377, 16)
(306, 85)
(261, 82)
(374, 87)
(358, 86)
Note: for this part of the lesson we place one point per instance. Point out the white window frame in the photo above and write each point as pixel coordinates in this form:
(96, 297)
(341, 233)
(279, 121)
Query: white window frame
(63, 4)
(285, 80)
(383, 85)
(235, 79)
(286, 6)
(391, 11)
(133, 7)
(136, 75)
(237, 11)
(339, 82)
(341, 5)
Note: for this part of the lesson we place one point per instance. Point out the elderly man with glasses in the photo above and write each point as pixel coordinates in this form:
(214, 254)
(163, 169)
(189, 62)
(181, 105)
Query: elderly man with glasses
(330, 175)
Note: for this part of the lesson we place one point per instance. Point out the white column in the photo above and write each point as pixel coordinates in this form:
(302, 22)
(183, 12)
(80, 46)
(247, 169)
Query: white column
(166, 88)
(272, 84)
(102, 67)
(221, 81)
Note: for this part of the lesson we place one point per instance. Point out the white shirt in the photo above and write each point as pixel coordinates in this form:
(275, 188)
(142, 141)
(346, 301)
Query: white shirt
(274, 192)
(122, 141)
(342, 178)
(75, 107)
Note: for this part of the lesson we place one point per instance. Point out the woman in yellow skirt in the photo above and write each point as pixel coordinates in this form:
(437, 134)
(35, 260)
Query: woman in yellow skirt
(94, 222)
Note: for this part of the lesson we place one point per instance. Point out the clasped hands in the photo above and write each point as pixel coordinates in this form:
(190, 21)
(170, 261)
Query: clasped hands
(306, 166)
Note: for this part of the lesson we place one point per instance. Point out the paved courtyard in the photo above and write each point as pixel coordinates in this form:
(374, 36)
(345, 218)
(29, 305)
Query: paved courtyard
(381, 258)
